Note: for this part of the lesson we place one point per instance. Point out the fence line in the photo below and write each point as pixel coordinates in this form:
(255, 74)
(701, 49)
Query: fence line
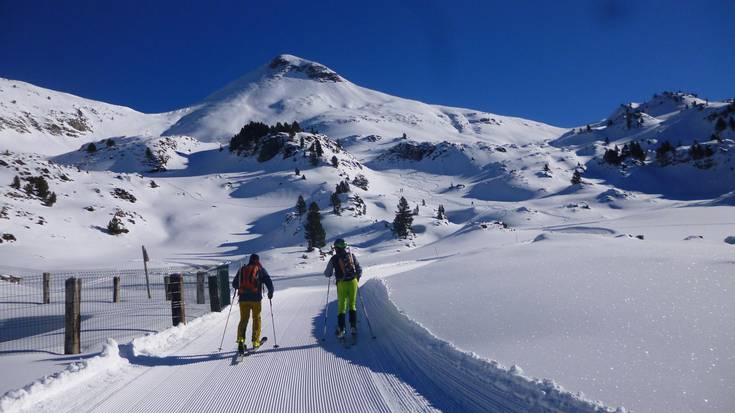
(35, 315)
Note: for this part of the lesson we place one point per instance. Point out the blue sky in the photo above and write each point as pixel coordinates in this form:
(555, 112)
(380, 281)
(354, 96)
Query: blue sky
(561, 62)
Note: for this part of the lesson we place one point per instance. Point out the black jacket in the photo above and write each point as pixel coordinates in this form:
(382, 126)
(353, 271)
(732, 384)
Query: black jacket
(333, 267)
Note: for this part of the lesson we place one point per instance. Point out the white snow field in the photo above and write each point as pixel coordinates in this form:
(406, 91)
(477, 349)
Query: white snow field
(403, 369)
(532, 294)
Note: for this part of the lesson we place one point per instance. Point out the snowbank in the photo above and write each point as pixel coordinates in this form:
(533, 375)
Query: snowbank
(108, 362)
(475, 384)
(112, 361)
(162, 343)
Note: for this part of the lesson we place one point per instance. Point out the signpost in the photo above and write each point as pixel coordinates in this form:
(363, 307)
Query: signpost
(145, 266)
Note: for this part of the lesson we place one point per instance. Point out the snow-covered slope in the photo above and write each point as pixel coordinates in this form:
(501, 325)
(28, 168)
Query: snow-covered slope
(34, 119)
(290, 88)
(134, 154)
(685, 147)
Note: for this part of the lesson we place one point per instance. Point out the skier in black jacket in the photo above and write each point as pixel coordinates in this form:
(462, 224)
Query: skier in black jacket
(347, 272)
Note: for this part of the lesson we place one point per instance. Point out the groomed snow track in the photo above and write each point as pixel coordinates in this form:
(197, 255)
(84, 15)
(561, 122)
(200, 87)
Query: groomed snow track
(404, 369)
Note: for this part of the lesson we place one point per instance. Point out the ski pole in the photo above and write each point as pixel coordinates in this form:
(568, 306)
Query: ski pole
(230, 310)
(227, 322)
(359, 297)
(273, 323)
(326, 310)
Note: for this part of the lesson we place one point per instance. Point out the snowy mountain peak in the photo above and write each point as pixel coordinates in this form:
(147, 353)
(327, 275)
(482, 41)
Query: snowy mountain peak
(286, 64)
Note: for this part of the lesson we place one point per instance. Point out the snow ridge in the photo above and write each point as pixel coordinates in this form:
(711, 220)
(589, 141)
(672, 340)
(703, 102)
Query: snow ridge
(76, 374)
(470, 383)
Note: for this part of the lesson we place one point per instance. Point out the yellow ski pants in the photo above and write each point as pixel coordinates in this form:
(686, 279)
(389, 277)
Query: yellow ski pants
(245, 308)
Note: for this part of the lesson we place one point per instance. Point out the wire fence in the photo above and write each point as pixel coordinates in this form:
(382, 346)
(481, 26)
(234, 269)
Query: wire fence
(37, 311)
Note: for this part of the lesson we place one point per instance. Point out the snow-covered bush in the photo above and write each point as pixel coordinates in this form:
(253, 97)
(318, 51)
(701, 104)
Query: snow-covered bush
(361, 182)
(116, 226)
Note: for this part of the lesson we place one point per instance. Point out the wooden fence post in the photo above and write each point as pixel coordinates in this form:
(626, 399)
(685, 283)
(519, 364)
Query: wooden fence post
(116, 289)
(224, 284)
(72, 316)
(46, 288)
(200, 287)
(167, 286)
(178, 313)
(214, 301)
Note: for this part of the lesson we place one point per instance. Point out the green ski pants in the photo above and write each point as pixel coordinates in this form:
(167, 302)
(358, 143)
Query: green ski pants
(346, 291)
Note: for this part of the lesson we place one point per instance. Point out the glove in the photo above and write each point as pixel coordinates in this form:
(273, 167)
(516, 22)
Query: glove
(270, 295)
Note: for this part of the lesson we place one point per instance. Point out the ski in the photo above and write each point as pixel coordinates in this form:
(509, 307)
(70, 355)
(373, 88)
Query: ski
(342, 338)
(254, 349)
(237, 358)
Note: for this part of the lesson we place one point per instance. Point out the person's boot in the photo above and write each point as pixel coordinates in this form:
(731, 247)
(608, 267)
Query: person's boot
(240, 345)
(340, 325)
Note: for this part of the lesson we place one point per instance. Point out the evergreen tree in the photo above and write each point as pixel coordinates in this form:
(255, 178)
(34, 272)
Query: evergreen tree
(361, 182)
(612, 156)
(297, 171)
(335, 161)
(300, 206)
(732, 123)
(336, 203)
(342, 188)
(116, 227)
(662, 152)
(625, 152)
(696, 151)
(403, 220)
(637, 152)
(28, 188)
(16, 183)
(546, 168)
(319, 150)
(301, 142)
(295, 127)
(249, 136)
(720, 125)
(50, 200)
(40, 186)
(313, 230)
(110, 143)
(440, 214)
(576, 177)
(313, 156)
(91, 148)
(149, 153)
